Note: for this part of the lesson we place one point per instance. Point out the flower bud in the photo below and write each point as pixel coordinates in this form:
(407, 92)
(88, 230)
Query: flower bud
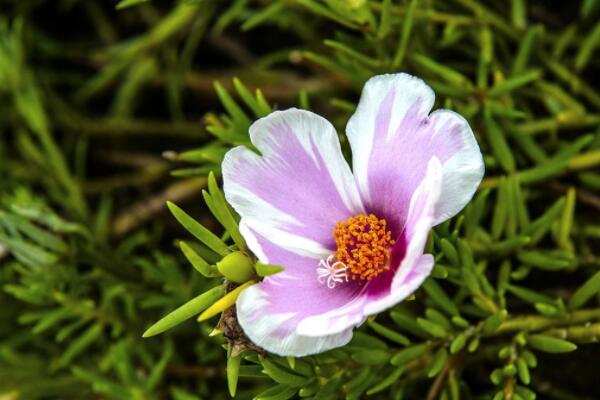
(237, 267)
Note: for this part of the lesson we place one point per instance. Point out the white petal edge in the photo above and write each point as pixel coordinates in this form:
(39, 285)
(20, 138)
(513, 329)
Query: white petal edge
(261, 331)
(463, 172)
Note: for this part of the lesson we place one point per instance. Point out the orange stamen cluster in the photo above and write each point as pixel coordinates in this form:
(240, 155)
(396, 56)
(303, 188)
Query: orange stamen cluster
(363, 245)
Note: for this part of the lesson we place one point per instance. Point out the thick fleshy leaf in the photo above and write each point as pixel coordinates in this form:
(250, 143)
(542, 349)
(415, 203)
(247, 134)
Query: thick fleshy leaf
(299, 187)
(393, 137)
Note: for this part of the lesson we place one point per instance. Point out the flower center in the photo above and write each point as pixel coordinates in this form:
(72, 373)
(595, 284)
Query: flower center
(364, 245)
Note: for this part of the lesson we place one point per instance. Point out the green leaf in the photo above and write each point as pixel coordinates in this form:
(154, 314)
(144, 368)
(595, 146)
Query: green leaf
(128, 3)
(371, 357)
(590, 288)
(282, 376)
(233, 109)
(437, 294)
(515, 82)
(545, 260)
(432, 328)
(523, 371)
(458, 343)
(224, 213)
(79, 345)
(279, 392)
(550, 344)
(587, 48)
(199, 231)
(233, 371)
(529, 295)
(387, 381)
(388, 333)
(498, 144)
(268, 269)
(566, 221)
(449, 251)
(492, 323)
(188, 310)
(407, 355)
(439, 360)
(197, 261)
(407, 24)
(224, 302)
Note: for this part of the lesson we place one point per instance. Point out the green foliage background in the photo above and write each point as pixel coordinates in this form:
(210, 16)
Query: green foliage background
(106, 113)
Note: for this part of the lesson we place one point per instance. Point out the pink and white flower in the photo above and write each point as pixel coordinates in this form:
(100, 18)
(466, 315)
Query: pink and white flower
(352, 242)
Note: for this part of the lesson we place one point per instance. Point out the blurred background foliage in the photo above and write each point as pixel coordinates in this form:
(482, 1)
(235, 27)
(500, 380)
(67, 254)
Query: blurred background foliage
(108, 109)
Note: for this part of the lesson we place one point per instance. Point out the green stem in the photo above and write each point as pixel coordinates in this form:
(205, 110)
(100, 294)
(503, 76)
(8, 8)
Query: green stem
(589, 333)
(536, 322)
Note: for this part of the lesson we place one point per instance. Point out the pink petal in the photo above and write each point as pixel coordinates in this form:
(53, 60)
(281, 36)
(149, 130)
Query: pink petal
(393, 137)
(385, 291)
(298, 189)
(271, 311)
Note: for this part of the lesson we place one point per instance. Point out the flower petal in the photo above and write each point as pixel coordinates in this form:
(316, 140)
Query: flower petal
(393, 137)
(414, 268)
(271, 311)
(299, 188)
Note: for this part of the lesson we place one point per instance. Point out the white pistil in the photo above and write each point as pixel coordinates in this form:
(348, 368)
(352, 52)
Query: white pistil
(332, 272)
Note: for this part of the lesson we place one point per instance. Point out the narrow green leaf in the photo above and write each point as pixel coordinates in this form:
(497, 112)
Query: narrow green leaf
(197, 261)
(233, 372)
(515, 82)
(590, 288)
(387, 381)
(77, 346)
(439, 360)
(188, 310)
(498, 144)
(279, 392)
(523, 371)
(590, 42)
(437, 294)
(529, 295)
(518, 13)
(407, 24)
(223, 303)
(371, 357)
(267, 269)
(545, 261)
(458, 343)
(385, 19)
(233, 109)
(199, 231)
(550, 344)
(493, 322)
(450, 75)
(408, 323)
(128, 3)
(526, 47)
(432, 328)
(282, 376)
(263, 15)
(566, 221)
(224, 213)
(407, 355)
(388, 333)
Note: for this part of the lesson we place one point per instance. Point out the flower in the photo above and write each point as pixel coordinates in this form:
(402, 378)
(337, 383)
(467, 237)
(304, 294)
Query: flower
(352, 243)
